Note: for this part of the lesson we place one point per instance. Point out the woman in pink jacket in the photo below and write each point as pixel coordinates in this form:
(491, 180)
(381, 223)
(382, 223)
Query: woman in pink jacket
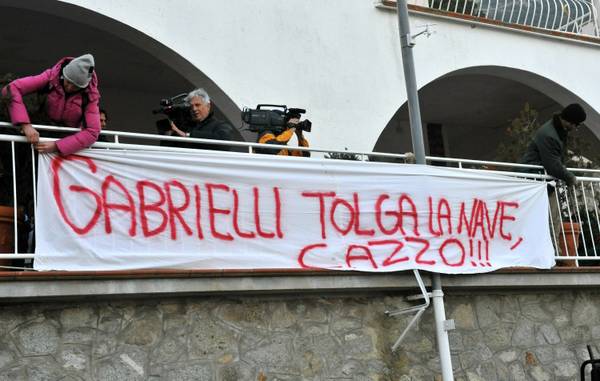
(73, 97)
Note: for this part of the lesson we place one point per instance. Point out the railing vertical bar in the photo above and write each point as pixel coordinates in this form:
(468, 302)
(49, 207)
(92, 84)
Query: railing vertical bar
(554, 235)
(596, 253)
(596, 23)
(117, 139)
(586, 11)
(512, 12)
(547, 15)
(15, 201)
(556, 8)
(577, 19)
(582, 17)
(487, 10)
(587, 212)
(526, 12)
(596, 210)
(561, 13)
(519, 14)
(569, 16)
(495, 11)
(589, 13)
(562, 231)
(571, 222)
(473, 10)
(34, 185)
(541, 14)
(579, 220)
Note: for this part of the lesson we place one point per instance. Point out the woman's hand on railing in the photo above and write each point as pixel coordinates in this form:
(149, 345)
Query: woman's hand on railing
(31, 133)
(46, 147)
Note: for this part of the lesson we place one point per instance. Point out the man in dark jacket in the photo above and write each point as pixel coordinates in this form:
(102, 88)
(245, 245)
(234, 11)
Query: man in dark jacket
(549, 144)
(549, 149)
(204, 124)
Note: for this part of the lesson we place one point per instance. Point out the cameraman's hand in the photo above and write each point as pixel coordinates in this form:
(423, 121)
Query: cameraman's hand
(30, 133)
(177, 130)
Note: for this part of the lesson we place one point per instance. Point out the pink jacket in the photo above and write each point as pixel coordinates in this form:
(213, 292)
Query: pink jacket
(63, 109)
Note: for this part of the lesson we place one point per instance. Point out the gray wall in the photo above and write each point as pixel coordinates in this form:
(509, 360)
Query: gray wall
(499, 336)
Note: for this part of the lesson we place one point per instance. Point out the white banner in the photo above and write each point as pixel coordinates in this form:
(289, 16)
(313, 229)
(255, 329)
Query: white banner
(116, 210)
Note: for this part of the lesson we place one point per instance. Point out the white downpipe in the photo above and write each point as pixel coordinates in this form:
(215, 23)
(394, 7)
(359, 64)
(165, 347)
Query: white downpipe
(408, 65)
(441, 327)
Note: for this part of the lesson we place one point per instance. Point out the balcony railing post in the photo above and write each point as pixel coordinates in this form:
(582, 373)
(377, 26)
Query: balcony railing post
(15, 203)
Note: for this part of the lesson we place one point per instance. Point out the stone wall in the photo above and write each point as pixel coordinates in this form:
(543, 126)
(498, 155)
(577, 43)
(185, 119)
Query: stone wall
(526, 336)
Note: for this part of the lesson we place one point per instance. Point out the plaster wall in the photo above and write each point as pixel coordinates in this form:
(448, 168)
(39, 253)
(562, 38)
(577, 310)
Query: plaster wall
(341, 59)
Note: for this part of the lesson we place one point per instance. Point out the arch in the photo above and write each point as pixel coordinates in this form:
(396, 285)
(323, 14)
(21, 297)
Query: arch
(175, 67)
(469, 109)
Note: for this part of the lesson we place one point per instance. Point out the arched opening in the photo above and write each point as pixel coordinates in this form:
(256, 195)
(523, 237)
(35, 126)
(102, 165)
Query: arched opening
(466, 113)
(135, 71)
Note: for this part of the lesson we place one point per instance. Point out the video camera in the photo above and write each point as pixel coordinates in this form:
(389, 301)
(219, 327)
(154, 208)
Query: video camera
(176, 110)
(275, 118)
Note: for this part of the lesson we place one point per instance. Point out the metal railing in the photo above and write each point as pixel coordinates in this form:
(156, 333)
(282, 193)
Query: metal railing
(570, 16)
(576, 237)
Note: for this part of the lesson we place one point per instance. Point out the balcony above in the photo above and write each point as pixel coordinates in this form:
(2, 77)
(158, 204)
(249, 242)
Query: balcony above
(573, 19)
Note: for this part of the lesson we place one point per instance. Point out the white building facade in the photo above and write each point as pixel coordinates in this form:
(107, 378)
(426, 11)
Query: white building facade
(339, 59)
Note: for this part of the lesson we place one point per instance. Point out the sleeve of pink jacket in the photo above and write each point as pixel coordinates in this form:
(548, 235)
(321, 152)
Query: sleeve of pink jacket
(88, 135)
(20, 87)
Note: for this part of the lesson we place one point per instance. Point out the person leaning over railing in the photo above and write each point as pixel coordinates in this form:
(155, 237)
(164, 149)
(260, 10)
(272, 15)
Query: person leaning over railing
(548, 148)
(204, 124)
(283, 137)
(72, 96)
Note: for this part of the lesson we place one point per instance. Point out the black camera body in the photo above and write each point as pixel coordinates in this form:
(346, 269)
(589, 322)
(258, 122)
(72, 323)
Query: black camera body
(176, 110)
(273, 118)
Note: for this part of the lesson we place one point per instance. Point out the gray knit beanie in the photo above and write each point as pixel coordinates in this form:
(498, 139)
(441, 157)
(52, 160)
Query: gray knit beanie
(79, 70)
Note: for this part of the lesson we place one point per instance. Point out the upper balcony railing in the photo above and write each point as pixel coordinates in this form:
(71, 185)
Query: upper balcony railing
(578, 17)
(576, 236)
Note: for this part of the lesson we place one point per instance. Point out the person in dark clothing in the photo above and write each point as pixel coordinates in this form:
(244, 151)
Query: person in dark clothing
(549, 144)
(103, 124)
(103, 119)
(548, 148)
(283, 137)
(204, 124)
